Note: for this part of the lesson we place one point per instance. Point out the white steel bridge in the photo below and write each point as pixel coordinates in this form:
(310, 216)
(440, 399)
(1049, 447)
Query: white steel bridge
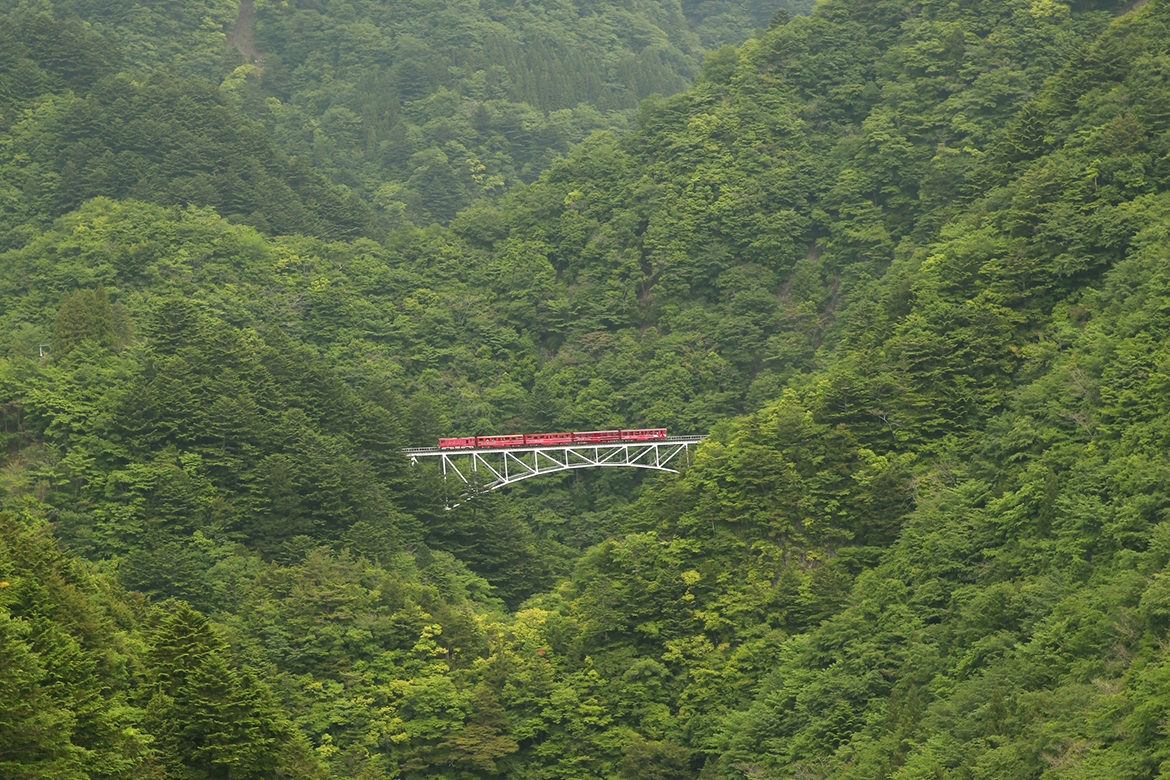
(492, 468)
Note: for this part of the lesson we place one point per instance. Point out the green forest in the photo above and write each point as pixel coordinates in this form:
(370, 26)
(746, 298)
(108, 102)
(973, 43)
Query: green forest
(907, 266)
(420, 109)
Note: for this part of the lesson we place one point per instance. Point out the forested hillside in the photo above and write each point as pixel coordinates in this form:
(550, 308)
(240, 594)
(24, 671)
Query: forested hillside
(75, 126)
(907, 265)
(415, 109)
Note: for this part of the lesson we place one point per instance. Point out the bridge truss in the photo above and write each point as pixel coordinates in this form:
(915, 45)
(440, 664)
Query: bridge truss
(492, 468)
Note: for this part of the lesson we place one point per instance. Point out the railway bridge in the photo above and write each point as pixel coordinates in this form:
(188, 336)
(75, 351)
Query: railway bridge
(495, 467)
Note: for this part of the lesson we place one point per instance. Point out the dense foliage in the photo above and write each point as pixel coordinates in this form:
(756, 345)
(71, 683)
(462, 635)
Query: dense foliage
(97, 683)
(906, 266)
(416, 109)
(75, 129)
(425, 107)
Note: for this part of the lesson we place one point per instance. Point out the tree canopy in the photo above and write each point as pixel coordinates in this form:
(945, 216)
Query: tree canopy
(905, 265)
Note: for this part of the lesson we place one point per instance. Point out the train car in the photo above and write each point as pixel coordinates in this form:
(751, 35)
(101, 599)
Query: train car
(548, 438)
(644, 434)
(503, 440)
(592, 437)
(542, 439)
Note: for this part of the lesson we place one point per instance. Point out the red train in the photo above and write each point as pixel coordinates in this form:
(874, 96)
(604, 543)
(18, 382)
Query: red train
(540, 439)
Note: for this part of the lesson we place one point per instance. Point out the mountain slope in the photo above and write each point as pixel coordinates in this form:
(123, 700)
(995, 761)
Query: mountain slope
(73, 130)
(925, 253)
(420, 109)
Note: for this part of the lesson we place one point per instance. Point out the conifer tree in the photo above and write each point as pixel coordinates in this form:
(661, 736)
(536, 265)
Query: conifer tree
(34, 730)
(85, 315)
(209, 717)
